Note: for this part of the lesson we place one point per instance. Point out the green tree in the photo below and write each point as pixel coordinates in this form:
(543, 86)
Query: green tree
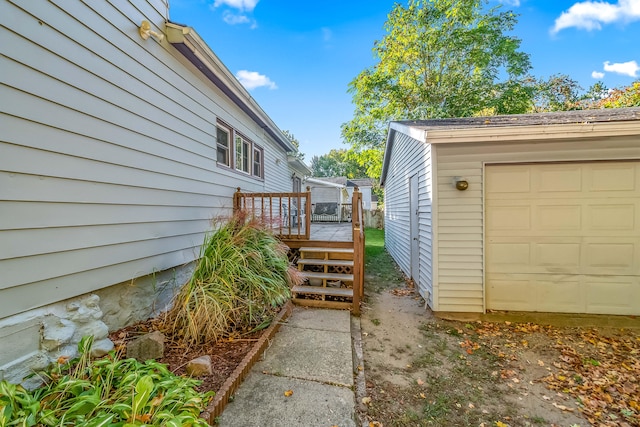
(559, 93)
(337, 163)
(295, 143)
(628, 96)
(439, 58)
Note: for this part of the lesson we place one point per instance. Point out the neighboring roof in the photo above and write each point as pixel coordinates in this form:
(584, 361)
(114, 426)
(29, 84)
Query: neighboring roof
(299, 165)
(188, 43)
(360, 182)
(517, 128)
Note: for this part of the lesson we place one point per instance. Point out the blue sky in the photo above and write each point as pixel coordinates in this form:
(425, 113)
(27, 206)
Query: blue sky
(297, 58)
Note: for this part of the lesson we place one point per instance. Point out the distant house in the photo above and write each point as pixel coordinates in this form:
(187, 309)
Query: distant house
(119, 145)
(330, 201)
(529, 213)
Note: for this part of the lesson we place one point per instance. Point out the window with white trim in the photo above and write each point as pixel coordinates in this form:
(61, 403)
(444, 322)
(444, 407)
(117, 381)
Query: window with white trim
(258, 162)
(222, 145)
(242, 154)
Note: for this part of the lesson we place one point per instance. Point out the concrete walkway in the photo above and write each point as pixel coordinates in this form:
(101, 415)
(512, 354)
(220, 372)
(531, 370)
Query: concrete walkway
(311, 356)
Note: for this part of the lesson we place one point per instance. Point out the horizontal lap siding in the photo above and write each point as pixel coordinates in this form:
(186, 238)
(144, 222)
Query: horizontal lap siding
(409, 157)
(460, 213)
(107, 152)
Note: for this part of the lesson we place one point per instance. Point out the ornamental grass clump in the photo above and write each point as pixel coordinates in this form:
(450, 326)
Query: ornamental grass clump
(242, 277)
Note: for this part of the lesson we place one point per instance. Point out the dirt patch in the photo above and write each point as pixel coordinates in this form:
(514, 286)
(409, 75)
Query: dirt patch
(424, 371)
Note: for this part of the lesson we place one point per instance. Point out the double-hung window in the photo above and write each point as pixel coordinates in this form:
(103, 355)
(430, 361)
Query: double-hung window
(242, 154)
(258, 162)
(223, 141)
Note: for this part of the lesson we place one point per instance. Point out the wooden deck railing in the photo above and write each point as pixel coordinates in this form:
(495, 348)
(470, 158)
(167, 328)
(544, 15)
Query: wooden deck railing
(288, 214)
(358, 250)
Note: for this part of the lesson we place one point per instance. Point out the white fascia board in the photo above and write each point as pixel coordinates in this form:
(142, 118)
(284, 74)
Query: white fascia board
(533, 132)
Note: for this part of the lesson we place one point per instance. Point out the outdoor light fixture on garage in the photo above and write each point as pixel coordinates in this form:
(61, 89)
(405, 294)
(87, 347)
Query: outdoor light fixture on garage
(460, 183)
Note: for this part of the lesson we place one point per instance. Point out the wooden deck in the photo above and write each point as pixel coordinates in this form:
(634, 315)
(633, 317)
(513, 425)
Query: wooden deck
(330, 256)
(332, 232)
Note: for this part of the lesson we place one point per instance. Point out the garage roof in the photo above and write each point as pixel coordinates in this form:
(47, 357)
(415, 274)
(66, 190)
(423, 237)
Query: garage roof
(517, 127)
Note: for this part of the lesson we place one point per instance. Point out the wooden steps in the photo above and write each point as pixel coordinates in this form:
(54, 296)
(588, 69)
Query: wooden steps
(332, 287)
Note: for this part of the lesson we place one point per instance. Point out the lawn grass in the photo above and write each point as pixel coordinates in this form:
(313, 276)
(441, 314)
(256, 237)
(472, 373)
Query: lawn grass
(381, 272)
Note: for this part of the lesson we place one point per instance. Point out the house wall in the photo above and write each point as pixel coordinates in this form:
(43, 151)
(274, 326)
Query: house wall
(459, 243)
(107, 154)
(409, 157)
(366, 196)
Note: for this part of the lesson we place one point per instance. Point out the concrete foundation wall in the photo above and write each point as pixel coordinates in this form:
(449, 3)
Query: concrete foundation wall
(33, 340)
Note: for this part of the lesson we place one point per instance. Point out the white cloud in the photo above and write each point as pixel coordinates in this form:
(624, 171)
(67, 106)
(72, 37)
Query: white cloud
(629, 68)
(241, 5)
(253, 79)
(514, 3)
(597, 74)
(590, 15)
(234, 19)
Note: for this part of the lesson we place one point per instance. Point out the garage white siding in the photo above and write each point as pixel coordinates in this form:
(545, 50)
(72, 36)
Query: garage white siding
(460, 213)
(410, 157)
(107, 151)
(564, 237)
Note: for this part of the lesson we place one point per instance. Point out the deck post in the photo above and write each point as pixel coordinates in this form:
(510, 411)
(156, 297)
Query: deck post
(236, 201)
(307, 218)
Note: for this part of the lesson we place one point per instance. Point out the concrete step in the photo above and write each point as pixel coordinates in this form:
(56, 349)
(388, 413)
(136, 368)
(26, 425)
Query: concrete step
(318, 261)
(320, 290)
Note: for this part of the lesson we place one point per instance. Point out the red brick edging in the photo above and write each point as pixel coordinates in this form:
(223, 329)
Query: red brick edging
(232, 383)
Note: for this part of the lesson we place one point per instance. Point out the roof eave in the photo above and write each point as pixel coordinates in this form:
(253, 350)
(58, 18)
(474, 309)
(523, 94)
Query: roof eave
(191, 46)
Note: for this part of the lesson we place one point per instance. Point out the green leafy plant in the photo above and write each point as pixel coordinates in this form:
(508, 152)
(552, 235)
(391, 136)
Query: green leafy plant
(105, 392)
(242, 275)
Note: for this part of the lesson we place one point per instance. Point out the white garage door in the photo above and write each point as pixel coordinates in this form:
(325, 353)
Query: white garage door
(563, 237)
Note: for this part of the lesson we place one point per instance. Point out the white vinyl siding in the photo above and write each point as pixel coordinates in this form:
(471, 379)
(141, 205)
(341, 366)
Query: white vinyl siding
(108, 156)
(409, 157)
(460, 213)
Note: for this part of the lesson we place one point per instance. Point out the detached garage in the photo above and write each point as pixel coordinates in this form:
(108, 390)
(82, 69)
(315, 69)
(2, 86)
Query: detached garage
(533, 212)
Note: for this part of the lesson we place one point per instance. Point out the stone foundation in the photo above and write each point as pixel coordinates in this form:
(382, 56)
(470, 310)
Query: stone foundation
(31, 341)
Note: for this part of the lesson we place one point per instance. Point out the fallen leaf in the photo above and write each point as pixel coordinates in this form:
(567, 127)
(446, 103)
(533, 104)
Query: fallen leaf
(422, 396)
(366, 400)
(562, 407)
(288, 393)
(420, 382)
(471, 406)
(540, 363)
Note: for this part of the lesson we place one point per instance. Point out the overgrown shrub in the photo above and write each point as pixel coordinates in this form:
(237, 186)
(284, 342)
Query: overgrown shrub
(105, 392)
(243, 274)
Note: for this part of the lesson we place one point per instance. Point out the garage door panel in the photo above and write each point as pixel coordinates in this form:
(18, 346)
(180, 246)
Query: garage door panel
(510, 180)
(558, 218)
(559, 293)
(569, 244)
(510, 294)
(556, 258)
(610, 258)
(612, 177)
(607, 295)
(559, 179)
(611, 217)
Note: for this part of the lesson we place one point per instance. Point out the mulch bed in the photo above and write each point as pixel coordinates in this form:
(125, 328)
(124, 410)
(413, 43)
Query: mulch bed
(226, 354)
(232, 357)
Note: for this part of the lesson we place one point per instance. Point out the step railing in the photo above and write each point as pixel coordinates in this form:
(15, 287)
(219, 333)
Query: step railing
(286, 213)
(358, 249)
